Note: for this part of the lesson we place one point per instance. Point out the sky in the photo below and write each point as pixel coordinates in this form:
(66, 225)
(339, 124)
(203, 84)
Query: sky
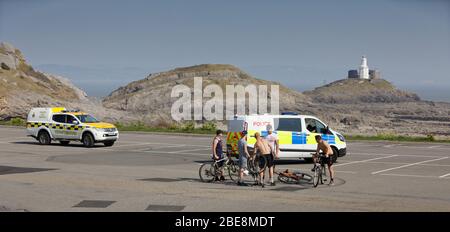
(101, 45)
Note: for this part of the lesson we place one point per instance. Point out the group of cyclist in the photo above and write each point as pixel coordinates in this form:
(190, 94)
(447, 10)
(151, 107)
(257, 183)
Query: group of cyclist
(268, 148)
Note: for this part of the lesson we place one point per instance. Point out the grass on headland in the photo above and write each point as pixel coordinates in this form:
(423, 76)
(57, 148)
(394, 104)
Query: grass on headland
(14, 122)
(206, 128)
(210, 128)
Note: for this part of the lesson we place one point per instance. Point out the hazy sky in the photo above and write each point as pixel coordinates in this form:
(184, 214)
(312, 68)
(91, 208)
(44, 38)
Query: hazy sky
(101, 45)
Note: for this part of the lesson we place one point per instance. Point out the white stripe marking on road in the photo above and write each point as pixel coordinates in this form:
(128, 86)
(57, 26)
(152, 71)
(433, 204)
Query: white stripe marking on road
(408, 165)
(363, 161)
(431, 147)
(443, 176)
(369, 154)
(391, 145)
(405, 175)
(199, 149)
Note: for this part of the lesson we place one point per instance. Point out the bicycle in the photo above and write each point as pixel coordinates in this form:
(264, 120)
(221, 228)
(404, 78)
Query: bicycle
(209, 171)
(294, 177)
(255, 165)
(319, 170)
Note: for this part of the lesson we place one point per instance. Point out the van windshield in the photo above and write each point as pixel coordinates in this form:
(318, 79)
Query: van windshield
(86, 118)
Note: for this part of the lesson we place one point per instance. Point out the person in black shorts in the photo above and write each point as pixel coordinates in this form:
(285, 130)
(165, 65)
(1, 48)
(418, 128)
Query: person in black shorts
(329, 156)
(217, 150)
(263, 148)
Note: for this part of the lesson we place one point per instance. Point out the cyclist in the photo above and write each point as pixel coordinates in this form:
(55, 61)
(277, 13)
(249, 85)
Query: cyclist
(243, 157)
(263, 148)
(273, 141)
(327, 151)
(217, 150)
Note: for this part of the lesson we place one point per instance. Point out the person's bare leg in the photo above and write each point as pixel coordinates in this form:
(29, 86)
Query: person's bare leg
(241, 174)
(261, 177)
(271, 174)
(331, 170)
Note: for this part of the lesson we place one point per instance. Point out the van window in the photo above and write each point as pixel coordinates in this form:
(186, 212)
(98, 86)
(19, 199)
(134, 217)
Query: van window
(61, 118)
(236, 125)
(315, 126)
(288, 124)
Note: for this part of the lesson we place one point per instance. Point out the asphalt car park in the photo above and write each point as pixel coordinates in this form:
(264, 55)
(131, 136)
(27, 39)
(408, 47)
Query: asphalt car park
(156, 172)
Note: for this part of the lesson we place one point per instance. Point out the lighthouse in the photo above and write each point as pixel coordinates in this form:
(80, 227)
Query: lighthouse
(364, 69)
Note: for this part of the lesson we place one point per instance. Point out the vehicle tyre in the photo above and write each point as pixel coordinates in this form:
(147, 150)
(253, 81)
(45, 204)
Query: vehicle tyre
(109, 143)
(44, 137)
(207, 172)
(335, 154)
(88, 140)
(64, 143)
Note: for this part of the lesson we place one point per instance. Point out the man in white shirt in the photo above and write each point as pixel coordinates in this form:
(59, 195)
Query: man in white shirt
(273, 141)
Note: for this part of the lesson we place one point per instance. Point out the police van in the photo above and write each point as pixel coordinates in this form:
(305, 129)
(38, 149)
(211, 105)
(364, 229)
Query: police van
(296, 134)
(59, 124)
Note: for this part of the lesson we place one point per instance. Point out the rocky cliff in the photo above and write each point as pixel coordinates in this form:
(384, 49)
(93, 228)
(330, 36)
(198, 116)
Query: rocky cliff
(151, 96)
(22, 87)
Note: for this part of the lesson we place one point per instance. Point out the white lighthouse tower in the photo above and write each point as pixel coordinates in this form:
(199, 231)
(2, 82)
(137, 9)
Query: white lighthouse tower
(364, 69)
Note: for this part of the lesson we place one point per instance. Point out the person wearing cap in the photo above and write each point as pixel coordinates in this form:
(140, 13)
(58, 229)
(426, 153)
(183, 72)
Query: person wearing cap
(273, 141)
(243, 157)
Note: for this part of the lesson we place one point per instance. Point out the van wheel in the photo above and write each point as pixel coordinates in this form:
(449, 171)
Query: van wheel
(44, 138)
(335, 154)
(109, 143)
(88, 140)
(64, 143)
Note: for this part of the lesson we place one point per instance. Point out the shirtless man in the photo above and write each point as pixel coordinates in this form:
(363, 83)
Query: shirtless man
(274, 144)
(326, 149)
(263, 148)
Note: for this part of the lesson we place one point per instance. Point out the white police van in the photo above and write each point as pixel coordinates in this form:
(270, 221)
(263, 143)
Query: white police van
(296, 134)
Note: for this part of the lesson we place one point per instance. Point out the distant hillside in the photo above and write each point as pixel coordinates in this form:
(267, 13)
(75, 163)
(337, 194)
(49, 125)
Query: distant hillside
(152, 94)
(352, 91)
(22, 87)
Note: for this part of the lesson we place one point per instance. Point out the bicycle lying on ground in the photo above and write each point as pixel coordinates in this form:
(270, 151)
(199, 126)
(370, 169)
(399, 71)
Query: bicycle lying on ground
(294, 177)
(209, 171)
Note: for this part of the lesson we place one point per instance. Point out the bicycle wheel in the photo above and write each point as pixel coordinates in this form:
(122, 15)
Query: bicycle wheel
(287, 179)
(317, 175)
(305, 179)
(207, 172)
(233, 171)
(262, 163)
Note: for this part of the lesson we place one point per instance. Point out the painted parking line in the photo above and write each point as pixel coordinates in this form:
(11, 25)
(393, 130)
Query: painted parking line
(443, 176)
(400, 163)
(164, 145)
(363, 161)
(405, 175)
(408, 165)
(199, 149)
(172, 153)
(371, 154)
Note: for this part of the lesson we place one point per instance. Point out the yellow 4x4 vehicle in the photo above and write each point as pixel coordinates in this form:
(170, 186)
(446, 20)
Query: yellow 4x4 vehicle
(47, 124)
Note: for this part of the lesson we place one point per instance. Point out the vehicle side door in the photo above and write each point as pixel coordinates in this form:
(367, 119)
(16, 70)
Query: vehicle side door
(315, 127)
(73, 128)
(289, 132)
(57, 128)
